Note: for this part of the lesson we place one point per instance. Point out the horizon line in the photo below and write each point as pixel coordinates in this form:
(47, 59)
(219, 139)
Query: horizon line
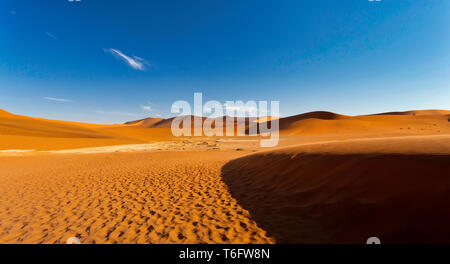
(280, 117)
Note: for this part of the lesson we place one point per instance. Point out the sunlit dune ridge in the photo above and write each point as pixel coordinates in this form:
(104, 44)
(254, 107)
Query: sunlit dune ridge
(21, 132)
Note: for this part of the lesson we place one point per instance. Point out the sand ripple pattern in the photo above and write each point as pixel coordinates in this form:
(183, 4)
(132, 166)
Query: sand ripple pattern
(162, 197)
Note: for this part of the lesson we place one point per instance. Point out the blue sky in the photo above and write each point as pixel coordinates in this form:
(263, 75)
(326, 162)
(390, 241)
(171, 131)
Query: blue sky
(112, 61)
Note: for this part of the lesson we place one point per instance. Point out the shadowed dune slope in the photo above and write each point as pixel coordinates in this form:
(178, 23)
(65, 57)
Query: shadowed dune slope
(394, 189)
(206, 122)
(147, 122)
(167, 123)
(158, 122)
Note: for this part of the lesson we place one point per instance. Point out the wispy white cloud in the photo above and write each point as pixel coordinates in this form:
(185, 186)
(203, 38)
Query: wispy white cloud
(114, 113)
(134, 62)
(12, 12)
(61, 100)
(146, 107)
(50, 35)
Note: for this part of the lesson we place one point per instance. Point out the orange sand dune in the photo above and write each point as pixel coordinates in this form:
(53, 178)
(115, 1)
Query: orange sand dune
(21, 132)
(265, 119)
(397, 189)
(27, 133)
(5, 113)
(419, 112)
(147, 122)
(331, 123)
(378, 175)
(167, 123)
(160, 122)
(345, 191)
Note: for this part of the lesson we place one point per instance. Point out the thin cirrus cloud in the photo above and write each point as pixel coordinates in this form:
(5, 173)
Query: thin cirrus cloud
(146, 107)
(50, 35)
(61, 100)
(134, 62)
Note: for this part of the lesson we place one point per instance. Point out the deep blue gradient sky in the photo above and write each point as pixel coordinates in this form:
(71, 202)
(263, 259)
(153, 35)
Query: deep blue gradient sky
(348, 56)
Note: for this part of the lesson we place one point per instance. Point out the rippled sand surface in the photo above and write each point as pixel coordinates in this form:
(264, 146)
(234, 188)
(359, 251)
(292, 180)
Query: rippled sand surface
(154, 197)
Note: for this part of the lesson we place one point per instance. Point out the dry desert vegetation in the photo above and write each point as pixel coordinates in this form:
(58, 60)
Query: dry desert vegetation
(331, 179)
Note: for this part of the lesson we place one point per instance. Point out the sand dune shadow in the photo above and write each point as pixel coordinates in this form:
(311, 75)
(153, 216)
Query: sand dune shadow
(331, 198)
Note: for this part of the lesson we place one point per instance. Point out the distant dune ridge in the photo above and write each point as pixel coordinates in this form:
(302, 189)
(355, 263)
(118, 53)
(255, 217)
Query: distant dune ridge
(427, 121)
(146, 122)
(21, 132)
(312, 122)
(167, 123)
(419, 112)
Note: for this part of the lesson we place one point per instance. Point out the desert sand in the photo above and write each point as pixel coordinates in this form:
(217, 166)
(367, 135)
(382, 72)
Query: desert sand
(397, 189)
(163, 197)
(332, 179)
